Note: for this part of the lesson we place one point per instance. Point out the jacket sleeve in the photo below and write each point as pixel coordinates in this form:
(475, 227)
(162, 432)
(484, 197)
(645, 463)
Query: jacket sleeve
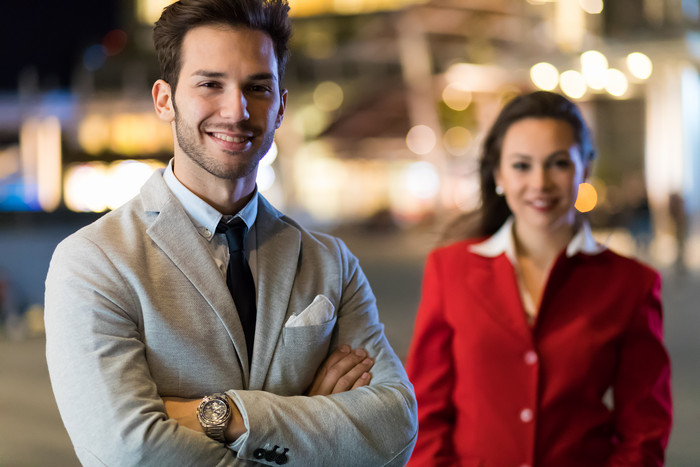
(642, 390)
(430, 367)
(96, 358)
(373, 425)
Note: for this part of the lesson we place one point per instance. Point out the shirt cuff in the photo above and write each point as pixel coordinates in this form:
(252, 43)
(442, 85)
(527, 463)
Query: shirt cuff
(238, 444)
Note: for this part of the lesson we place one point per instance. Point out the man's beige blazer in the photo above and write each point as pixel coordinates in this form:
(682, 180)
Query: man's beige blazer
(136, 310)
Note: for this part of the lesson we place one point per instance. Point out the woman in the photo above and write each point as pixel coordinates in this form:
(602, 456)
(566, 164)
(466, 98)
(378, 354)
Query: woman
(533, 344)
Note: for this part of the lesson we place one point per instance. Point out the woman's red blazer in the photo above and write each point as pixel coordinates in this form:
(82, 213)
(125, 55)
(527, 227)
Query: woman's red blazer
(587, 385)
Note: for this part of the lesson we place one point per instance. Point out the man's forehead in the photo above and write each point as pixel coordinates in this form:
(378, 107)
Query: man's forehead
(209, 47)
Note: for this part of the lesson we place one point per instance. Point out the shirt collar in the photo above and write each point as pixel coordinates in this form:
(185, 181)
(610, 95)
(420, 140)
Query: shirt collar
(502, 242)
(204, 216)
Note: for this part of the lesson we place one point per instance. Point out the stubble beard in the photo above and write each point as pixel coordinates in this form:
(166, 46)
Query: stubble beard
(194, 149)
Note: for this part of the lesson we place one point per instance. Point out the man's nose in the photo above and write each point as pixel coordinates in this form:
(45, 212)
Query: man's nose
(234, 106)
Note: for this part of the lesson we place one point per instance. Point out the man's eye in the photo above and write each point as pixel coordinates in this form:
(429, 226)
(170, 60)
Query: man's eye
(258, 88)
(209, 84)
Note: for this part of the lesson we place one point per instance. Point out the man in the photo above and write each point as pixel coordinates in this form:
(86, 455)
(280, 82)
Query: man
(153, 360)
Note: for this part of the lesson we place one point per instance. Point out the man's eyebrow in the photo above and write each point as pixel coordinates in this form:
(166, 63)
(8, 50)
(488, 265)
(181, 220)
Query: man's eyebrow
(263, 77)
(220, 75)
(209, 74)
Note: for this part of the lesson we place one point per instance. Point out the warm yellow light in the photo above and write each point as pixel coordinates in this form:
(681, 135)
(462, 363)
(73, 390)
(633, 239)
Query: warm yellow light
(545, 76)
(457, 140)
(587, 198)
(318, 7)
(616, 82)
(594, 66)
(328, 96)
(310, 121)
(94, 134)
(573, 84)
(49, 165)
(124, 180)
(84, 186)
(592, 7)
(639, 65)
(96, 186)
(456, 97)
(421, 139)
(148, 11)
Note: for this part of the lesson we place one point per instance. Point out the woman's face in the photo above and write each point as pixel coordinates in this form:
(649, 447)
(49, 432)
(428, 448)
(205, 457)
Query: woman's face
(540, 170)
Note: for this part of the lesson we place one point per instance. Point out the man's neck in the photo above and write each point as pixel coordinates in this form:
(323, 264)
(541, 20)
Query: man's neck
(226, 196)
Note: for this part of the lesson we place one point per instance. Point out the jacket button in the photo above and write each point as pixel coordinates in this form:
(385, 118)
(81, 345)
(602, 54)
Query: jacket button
(259, 453)
(270, 455)
(526, 415)
(530, 357)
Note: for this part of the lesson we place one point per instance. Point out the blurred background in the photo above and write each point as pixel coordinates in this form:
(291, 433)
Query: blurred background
(388, 104)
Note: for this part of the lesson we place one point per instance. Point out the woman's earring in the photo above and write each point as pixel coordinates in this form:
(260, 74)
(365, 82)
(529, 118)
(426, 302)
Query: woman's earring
(499, 190)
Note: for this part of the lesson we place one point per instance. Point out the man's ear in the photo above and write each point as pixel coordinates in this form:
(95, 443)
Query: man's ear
(280, 112)
(163, 101)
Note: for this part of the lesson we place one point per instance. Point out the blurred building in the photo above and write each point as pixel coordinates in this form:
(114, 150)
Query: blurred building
(388, 102)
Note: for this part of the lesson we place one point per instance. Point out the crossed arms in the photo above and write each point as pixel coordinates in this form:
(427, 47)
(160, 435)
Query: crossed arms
(109, 388)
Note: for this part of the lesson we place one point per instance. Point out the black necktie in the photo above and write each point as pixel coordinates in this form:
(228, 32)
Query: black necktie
(239, 278)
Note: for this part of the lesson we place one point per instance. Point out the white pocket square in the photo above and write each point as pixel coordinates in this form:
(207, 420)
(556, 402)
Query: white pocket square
(320, 311)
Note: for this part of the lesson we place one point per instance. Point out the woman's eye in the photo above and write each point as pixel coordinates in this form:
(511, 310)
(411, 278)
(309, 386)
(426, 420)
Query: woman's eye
(521, 166)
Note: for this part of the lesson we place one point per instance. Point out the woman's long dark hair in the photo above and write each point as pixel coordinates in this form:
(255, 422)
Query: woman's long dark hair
(494, 211)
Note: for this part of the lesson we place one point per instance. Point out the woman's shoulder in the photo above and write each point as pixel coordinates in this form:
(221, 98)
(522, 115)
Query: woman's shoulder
(626, 266)
(459, 249)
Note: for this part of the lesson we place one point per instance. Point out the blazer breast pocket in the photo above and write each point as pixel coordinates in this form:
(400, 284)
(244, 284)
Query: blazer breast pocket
(306, 338)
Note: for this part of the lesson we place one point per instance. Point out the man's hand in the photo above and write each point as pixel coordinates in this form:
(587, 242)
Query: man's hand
(345, 369)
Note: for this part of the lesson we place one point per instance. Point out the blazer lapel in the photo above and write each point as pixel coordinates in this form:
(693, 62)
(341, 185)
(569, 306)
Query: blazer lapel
(279, 244)
(494, 284)
(173, 232)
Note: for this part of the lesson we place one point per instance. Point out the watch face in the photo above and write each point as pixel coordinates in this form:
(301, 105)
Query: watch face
(215, 410)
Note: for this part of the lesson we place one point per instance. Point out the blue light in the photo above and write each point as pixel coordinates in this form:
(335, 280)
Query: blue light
(94, 57)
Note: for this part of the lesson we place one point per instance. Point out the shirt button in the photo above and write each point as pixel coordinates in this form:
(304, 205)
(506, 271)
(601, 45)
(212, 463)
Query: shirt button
(530, 357)
(526, 415)
(207, 233)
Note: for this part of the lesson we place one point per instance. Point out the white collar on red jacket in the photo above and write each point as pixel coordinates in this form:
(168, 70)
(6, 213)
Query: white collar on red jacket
(503, 242)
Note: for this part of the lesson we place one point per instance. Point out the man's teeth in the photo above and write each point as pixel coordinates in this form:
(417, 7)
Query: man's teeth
(230, 139)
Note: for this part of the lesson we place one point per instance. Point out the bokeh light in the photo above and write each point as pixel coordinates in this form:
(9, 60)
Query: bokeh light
(270, 156)
(114, 42)
(592, 7)
(266, 177)
(457, 140)
(328, 96)
(639, 65)
(421, 139)
(456, 96)
(587, 198)
(594, 66)
(616, 82)
(573, 84)
(422, 180)
(545, 76)
(94, 57)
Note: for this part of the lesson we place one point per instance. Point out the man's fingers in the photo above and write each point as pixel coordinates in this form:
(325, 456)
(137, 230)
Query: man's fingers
(341, 371)
(354, 374)
(363, 380)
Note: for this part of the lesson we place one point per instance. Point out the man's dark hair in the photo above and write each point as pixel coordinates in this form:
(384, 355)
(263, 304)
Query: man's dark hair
(269, 16)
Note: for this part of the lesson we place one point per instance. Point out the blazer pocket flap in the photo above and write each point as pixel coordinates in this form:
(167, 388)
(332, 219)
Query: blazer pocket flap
(320, 311)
